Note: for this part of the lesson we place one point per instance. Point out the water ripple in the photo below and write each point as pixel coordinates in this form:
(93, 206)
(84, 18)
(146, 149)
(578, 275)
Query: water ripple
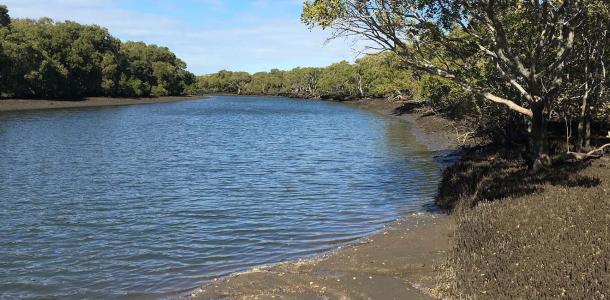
(145, 201)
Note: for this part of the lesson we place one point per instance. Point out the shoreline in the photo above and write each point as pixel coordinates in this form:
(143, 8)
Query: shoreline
(7, 105)
(399, 262)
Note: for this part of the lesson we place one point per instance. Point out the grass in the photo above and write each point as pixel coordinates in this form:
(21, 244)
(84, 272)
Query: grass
(543, 236)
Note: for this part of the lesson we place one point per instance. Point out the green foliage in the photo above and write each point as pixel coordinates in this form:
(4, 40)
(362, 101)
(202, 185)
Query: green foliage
(371, 76)
(302, 82)
(5, 19)
(45, 59)
(322, 12)
(383, 76)
(446, 97)
(224, 82)
(339, 81)
(541, 60)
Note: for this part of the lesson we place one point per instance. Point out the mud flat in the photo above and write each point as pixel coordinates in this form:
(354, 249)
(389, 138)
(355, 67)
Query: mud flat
(36, 104)
(398, 263)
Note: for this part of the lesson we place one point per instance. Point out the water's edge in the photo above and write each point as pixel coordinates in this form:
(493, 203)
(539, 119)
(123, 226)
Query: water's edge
(132, 190)
(434, 136)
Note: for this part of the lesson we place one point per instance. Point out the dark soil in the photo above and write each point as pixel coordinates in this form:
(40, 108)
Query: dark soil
(525, 236)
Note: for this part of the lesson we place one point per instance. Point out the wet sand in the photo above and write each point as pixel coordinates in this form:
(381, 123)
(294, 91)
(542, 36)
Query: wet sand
(399, 263)
(402, 262)
(31, 104)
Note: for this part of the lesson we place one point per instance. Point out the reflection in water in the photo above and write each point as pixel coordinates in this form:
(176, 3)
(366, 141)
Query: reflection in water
(155, 199)
(397, 136)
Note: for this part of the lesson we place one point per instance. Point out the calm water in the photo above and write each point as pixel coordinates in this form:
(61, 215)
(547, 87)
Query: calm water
(153, 200)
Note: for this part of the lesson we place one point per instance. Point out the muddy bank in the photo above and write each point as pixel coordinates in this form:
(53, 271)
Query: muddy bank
(401, 262)
(524, 235)
(31, 104)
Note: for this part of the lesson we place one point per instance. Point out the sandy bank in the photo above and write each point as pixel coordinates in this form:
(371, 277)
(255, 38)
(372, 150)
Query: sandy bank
(398, 263)
(30, 104)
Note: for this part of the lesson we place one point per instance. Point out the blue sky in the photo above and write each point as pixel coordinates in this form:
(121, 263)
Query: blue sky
(210, 35)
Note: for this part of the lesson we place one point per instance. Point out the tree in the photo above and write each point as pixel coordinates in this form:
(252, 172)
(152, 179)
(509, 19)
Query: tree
(235, 81)
(46, 59)
(5, 19)
(339, 81)
(301, 82)
(4, 59)
(370, 76)
(381, 76)
(224, 82)
(589, 69)
(512, 53)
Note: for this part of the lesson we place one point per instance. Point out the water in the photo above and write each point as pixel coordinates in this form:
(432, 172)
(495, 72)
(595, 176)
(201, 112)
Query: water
(150, 201)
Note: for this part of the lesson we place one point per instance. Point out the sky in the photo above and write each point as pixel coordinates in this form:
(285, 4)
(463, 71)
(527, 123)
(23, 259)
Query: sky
(209, 35)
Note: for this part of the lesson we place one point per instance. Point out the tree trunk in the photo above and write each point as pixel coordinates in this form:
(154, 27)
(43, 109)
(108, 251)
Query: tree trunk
(587, 135)
(360, 89)
(584, 107)
(582, 124)
(539, 149)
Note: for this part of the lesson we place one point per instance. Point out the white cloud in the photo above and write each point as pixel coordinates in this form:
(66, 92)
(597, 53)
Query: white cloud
(264, 43)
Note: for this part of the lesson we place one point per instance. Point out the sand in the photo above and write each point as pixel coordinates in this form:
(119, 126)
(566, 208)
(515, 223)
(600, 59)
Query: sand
(399, 263)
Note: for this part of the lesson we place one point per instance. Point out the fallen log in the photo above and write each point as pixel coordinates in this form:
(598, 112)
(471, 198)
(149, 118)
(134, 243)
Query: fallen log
(596, 153)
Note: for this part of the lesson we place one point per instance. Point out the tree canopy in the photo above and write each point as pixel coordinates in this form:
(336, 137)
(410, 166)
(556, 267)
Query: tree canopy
(371, 76)
(520, 54)
(47, 59)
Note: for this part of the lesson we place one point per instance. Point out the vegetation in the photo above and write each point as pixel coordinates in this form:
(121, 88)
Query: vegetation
(530, 77)
(371, 76)
(536, 58)
(46, 59)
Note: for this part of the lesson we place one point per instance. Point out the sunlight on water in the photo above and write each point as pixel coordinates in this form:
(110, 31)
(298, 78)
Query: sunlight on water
(153, 199)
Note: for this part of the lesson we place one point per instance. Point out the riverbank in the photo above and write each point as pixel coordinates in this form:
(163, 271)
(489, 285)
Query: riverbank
(435, 132)
(35, 104)
(402, 262)
(399, 263)
(518, 234)
(527, 236)
(510, 234)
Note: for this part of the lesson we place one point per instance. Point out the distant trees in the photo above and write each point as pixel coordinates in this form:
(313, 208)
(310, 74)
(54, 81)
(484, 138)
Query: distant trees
(46, 59)
(588, 81)
(5, 20)
(340, 81)
(370, 76)
(519, 54)
(302, 82)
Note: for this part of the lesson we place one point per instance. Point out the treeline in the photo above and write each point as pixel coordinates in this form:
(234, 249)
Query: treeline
(65, 60)
(373, 76)
(379, 75)
(519, 70)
